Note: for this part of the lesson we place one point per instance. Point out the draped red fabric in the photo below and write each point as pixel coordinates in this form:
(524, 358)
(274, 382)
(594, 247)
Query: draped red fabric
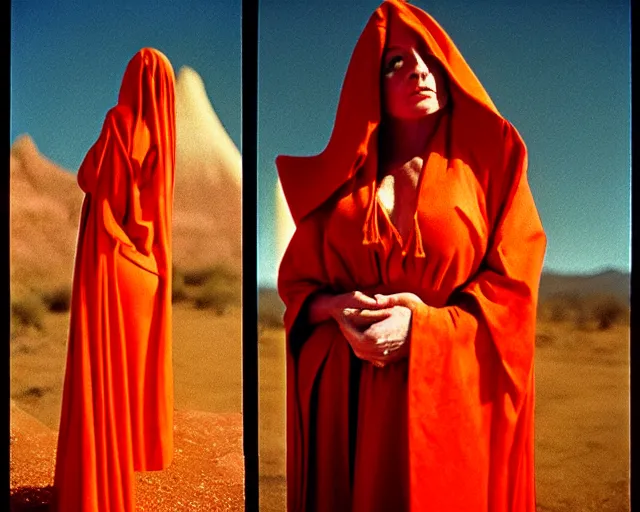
(451, 429)
(117, 402)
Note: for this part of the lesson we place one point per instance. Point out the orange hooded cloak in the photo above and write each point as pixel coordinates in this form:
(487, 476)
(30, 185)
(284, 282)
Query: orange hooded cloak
(451, 429)
(117, 403)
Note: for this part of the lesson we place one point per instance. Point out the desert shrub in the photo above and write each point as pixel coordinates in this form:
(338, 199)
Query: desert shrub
(28, 312)
(582, 319)
(200, 277)
(586, 311)
(558, 311)
(58, 300)
(543, 340)
(221, 290)
(607, 311)
(35, 392)
(178, 288)
(218, 296)
(553, 310)
(561, 307)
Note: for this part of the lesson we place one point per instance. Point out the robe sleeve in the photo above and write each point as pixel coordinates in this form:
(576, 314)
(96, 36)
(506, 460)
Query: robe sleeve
(302, 274)
(498, 305)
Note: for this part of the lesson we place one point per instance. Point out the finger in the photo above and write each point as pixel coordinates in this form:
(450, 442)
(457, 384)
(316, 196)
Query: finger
(356, 320)
(400, 353)
(363, 318)
(395, 326)
(359, 322)
(361, 300)
(388, 338)
(406, 299)
(382, 300)
(374, 314)
(365, 347)
(354, 336)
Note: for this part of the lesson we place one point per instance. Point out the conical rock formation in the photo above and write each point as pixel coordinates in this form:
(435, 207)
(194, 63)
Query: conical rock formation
(207, 213)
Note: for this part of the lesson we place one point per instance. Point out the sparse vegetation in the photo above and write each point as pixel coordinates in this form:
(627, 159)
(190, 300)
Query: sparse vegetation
(544, 340)
(200, 277)
(178, 288)
(608, 311)
(585, 312)
(58, 300)
(560, 307)
(28, 312)
(220, 290)
(217, 287)
(34, 392)
(217, 297)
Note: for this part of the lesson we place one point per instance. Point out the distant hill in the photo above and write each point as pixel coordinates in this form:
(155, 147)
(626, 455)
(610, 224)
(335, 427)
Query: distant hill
(45, 203)
(610, 282)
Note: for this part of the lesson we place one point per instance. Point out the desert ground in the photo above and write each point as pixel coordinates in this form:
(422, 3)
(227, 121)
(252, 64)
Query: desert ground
(208, 461)
(206, 362)
(582, 409)
(582, 419)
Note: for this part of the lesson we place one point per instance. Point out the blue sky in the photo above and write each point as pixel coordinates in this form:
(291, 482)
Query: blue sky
(559, 71)
(68, 58)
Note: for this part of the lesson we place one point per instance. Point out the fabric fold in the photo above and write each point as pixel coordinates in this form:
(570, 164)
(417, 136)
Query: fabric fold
(476, 264)
(117, 399)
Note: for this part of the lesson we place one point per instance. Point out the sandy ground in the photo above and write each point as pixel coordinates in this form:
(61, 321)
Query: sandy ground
(582, 419)
(582, 412)
(206, 472)
(206, 361)
(207, 469)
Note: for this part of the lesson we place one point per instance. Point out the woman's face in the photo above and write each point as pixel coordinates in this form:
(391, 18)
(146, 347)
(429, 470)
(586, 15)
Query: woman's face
(414, 82)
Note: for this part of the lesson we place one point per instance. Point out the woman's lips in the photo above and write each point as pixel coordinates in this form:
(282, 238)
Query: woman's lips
(422, 92)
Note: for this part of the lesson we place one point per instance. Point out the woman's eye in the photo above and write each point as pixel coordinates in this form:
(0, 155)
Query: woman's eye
(394, 63)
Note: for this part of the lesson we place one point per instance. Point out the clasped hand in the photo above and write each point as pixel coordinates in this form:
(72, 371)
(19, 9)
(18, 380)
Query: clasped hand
(377, 328)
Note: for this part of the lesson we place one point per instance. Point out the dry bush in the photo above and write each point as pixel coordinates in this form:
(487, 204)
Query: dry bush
(58, 300)
(35, 392)
(544, 340)
(585, 312)
(218, 297)
(221, 290)
(200, 277)
(561, 307)
(607, 311)
(28, 312)
(178, 288)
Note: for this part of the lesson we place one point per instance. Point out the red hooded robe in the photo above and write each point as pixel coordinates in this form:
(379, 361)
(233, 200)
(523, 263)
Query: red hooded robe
(117, 403)
(451, 429)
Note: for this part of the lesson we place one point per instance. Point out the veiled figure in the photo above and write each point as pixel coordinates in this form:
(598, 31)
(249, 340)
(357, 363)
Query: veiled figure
(410, 287)
(117, 403)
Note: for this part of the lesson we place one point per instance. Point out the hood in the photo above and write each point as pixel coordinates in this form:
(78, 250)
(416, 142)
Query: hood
(307, 182)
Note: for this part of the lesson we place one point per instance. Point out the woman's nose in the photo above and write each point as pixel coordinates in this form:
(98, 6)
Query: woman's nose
(420, 69)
